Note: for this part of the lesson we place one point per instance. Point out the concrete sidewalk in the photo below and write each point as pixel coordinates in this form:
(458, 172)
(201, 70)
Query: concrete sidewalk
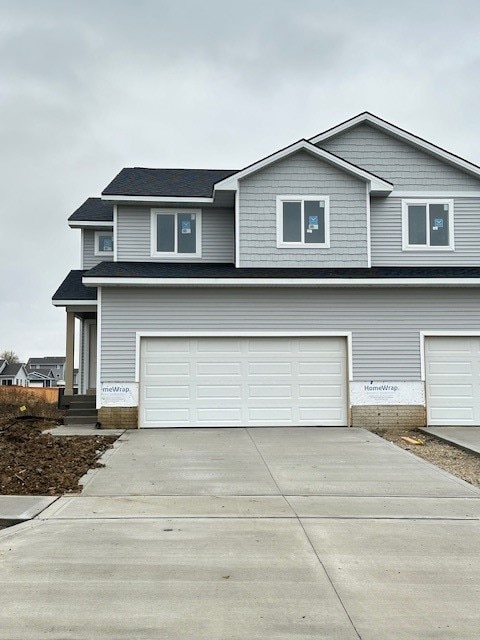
(258, 534)
(465, 437)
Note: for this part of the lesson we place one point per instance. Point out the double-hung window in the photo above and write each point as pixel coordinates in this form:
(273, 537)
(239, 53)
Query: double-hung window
(427, 225)
(176, 233)
(303, 221)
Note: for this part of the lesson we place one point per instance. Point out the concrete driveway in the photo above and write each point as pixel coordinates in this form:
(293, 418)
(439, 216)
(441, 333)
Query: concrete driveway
(246, 534)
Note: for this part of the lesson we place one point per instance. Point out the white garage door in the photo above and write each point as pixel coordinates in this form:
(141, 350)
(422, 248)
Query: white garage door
(205, 382)
(453, 380)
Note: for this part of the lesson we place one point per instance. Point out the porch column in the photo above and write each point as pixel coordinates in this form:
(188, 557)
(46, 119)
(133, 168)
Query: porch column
(69, 353)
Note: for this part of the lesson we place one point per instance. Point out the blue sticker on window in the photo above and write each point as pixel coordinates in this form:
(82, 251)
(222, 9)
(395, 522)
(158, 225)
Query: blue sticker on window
(312, 219)
(438, 223)
(185, 224)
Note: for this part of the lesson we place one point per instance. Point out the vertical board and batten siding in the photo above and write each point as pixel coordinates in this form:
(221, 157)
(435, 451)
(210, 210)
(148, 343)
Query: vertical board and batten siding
(386, 236)
(302, 174)
(89, 259)
(134, 236)
(397, 161)
(385, 323)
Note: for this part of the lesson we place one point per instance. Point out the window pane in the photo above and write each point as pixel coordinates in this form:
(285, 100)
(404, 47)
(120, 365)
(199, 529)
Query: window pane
(417, 225)
(439, 225)
(166, 232)
(105, 243)
(292, 222)
(187, 232)
(314, 213)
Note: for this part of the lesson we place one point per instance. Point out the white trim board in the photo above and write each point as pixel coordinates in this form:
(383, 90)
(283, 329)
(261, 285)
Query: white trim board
(414, 140)
(166, 199)
(440, 334)
(406, 202)
(72, 303)
(88, 224)
(244, 334)
(94, 281)
(99, 347)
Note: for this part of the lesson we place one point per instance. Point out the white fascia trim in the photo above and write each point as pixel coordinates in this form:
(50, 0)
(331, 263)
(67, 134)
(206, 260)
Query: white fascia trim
(244, 334)
(444, 333)
(280, 282)
(369, 231)
(154, 199)
(99, 347)
(399, 133)
(71, 303)
(88, 224)
(82, 248)
(377, 184)
(434, 194)
(115, 232)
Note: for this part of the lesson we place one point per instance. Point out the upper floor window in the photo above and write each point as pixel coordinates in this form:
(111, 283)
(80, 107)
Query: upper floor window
(103, 243)
(303, 221)
(427, 224)
(176, 232)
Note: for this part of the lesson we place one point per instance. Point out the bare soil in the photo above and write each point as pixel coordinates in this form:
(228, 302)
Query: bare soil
(448, 457)
(36, 463)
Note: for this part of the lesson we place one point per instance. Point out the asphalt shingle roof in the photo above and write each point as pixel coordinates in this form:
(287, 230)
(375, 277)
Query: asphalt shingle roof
(205, 270)
(73, 289)
(139, 181)
(11, 370)
(94, 209)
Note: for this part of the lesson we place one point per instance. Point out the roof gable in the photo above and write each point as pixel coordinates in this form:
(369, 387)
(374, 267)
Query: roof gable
(401, 134)
(377, 184)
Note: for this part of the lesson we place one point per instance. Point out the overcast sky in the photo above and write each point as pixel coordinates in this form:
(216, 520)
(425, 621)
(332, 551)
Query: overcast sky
(91, 86)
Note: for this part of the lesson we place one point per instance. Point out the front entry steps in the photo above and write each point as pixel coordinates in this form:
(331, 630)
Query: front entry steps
(82, 410)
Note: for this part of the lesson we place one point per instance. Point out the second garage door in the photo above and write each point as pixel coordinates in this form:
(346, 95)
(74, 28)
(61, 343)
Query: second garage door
(201, 382)
(453, 380)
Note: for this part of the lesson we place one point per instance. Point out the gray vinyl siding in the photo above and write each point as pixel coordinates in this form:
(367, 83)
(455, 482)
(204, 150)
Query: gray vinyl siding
(385, 323)
(89, 259)
(386, 238)
(302, 174)
(395, 160)
(134, 239)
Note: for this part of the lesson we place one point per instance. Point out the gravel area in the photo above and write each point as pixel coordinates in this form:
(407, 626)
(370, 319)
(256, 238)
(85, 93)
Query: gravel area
(460, 463)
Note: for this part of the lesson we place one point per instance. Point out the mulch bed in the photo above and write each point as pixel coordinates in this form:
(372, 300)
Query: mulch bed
(36, 463)
(448, 457)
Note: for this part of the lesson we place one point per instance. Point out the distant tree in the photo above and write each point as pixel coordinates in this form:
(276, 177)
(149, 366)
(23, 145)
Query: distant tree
(10, 356)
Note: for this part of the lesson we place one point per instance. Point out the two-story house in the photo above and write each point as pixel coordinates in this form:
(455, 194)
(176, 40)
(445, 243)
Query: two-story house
(334, 282)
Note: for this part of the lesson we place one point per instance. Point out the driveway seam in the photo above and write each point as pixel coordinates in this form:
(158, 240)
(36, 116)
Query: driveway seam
(306, 536)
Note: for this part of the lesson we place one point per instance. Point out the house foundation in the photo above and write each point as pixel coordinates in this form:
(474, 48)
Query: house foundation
(118, 417)
(389, 416)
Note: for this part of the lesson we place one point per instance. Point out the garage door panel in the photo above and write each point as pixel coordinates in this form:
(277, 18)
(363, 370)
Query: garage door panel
(219, 391)
(167, 368)
(242, 382)
(453, 380)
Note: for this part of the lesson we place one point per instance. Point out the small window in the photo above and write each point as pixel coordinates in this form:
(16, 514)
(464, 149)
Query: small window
(103, 243)
(428, 224)
(303, 221)
(176, 232)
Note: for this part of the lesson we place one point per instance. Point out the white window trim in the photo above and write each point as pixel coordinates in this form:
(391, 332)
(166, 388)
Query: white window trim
(302, 244)
(97, 243)
(426, 247)
(174, 254)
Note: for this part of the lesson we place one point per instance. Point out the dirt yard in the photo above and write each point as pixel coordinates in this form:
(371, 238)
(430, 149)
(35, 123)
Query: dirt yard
(460, 463)
(36, 463)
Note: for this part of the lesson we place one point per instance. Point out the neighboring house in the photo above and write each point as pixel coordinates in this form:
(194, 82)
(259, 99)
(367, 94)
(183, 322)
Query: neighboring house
(14, 374)
(43, 377)
(334, 282)
(50, 368)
